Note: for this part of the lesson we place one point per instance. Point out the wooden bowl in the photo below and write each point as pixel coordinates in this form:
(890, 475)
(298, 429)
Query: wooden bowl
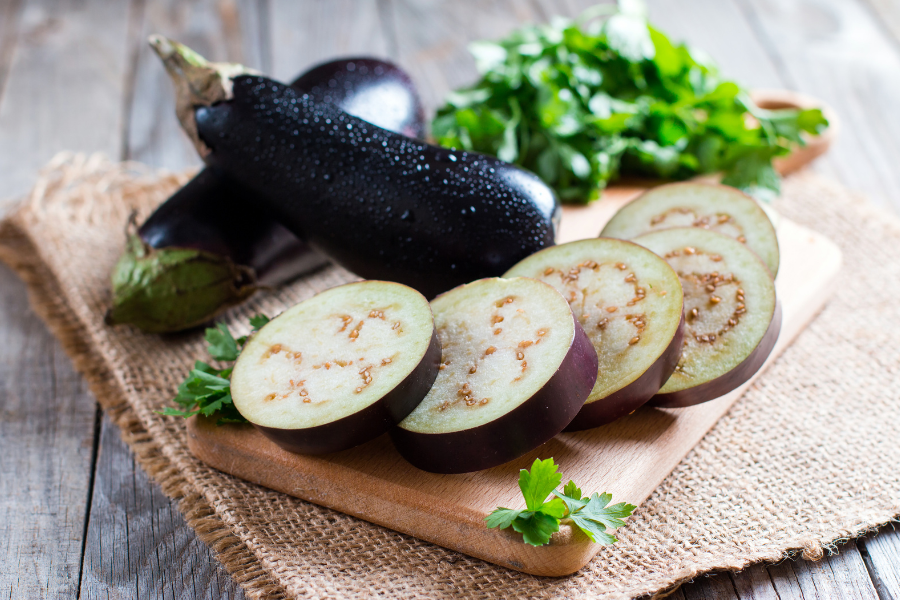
(816, 145)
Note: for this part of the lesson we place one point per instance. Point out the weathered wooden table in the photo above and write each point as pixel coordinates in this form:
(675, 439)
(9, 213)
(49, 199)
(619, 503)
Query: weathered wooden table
(78, 518)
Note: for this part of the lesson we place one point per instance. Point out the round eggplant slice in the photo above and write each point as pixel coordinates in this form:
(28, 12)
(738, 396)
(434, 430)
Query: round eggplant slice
(515, 369)
(732, 315)
(703, 205)
(629, 302)
(340, 368)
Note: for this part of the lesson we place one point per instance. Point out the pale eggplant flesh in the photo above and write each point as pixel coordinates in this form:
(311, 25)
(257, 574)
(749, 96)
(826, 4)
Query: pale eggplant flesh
(213, 244)
(516, 368)
(339, 369)
(715, 207)
(732, 311)
(636, 394)
(629, 302)
(729, 381)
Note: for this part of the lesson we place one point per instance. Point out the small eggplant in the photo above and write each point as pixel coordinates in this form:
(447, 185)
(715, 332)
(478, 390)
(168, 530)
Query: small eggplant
(380, 204)
(211, 244)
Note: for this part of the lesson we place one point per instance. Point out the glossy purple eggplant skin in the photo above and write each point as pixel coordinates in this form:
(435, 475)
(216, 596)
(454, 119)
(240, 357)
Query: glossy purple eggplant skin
(373, 90)
(369, 423)
(210, 213)
(216, 214)
(729, 381)
(519, 431)
(381, 204)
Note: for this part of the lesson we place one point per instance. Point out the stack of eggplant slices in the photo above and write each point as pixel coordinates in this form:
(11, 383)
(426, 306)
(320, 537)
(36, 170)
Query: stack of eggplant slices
(673, 305)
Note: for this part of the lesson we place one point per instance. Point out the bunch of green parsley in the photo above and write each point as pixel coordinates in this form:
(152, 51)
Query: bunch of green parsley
(583, 102)
(207, 390)
(540, 519)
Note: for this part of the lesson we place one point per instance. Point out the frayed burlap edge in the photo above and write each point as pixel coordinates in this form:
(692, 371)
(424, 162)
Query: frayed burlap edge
(18, 250)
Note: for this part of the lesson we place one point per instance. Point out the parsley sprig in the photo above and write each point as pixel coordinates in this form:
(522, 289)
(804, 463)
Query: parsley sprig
(582, 102)
(207, 390)
(541, 518)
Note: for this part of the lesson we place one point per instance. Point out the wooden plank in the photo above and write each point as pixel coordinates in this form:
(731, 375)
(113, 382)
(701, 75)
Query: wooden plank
(253, 25)
(628, 458)
(881, 553)
(712, 587)
(212, 28)
(65, 86)
(754, 583)
(138, 544)
(303, 34)
(46, 444)
(10, 10)
(836, 50)
(431, 39)
(887, 15)
(719, 29)
(63, 91)
(843, 575)
(335, 19)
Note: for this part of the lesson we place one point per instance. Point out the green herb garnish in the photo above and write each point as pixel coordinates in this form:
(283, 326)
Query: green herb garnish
(541, 518)
(582, 102)
(207, 390)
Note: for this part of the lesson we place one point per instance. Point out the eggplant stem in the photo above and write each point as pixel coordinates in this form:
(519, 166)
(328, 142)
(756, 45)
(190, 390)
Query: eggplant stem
(198, 82)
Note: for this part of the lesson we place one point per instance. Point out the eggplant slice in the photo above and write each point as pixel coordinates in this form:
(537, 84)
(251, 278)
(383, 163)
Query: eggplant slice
(715, 207)
(516, 368)
(629, 302)
(732, 314)
(340, 368)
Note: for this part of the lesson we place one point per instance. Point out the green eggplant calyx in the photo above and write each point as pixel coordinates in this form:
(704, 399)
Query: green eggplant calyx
(198, 82)
(172, 289)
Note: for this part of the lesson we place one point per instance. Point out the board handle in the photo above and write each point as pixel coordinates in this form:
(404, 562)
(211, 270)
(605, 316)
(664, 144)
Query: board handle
(816, 145)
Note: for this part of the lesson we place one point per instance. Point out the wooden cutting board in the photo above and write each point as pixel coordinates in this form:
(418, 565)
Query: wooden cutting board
(628, 458)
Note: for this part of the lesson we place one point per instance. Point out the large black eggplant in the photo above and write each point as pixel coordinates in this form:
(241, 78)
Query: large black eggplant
(381, 204)
(212, 244)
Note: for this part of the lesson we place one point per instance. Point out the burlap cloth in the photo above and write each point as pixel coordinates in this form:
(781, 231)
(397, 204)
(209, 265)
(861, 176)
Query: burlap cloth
(808, 456)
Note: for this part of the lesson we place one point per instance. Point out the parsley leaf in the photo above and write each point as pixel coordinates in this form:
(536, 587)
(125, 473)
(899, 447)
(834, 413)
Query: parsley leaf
(257, 321)
(536, 527)
(571, 497)
(207, 390)
(595, 517)
(582, 102)
(222, 345)
(502, 517)
(539, 483)
(541, 519)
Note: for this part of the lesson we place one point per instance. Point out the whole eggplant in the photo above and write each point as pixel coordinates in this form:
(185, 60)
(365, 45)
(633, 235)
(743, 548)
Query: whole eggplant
(381, 204)
(212, 244)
